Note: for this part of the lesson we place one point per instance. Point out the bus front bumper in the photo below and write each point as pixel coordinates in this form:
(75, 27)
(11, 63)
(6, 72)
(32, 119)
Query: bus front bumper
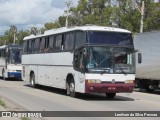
(108, 87)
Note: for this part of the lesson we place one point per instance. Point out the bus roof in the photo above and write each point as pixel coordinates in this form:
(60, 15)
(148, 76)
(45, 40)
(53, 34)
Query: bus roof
(82, 28)
(11, 46)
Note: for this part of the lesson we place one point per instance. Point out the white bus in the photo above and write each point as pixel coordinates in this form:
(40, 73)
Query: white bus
(87, 59)
(10, 61)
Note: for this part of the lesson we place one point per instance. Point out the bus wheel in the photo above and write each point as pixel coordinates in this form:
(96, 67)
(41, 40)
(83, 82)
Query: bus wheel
(149, 90)
(71, 87)
(32, 80)
(110, 95)
(3, 75)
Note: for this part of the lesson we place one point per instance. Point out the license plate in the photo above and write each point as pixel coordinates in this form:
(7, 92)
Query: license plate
(111, 88)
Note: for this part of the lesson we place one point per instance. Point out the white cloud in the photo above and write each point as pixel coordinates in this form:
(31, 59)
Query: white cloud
(30, 12)
(26, 11)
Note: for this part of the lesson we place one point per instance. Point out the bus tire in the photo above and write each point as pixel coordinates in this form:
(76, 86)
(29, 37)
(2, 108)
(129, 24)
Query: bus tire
(149, 90)
(110, 95)
(71, 88)
(32, 80)
(3, 75)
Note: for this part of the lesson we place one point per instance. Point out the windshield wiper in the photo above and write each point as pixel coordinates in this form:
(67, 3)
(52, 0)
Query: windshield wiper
(121, 69)
(104, 71)
(102, 61)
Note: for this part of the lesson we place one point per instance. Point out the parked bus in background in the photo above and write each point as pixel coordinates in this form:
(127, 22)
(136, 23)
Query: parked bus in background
(87, 59)
(10, 61)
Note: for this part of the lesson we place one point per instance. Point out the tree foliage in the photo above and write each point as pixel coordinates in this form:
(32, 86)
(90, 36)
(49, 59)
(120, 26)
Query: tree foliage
(115, 13)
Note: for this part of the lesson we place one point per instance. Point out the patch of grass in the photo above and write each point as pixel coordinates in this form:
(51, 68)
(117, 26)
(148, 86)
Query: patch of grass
(25, 118)
(2, 103)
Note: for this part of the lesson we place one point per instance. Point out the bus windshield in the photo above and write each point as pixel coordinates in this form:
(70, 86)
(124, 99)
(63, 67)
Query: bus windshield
(110, 38)
(15, 56)
(110, 60)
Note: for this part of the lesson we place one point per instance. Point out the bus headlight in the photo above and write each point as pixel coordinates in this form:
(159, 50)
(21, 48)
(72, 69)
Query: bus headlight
(94, 81)
(129, 81)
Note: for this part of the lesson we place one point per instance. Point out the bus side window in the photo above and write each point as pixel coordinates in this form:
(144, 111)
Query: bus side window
(69, 41)
(47, 44)
(0, 52)
(42, 45)
(51, 43)
(28, 46)
(24, 47)
(32, 46)
(36, 45)
(27, 43)
(80, 39)
(59, 43)
(3, 52)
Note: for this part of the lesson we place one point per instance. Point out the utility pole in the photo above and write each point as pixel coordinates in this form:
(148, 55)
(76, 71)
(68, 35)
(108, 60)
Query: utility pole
(14, 29)
(142, 17)
(68, 4)
(14, 38)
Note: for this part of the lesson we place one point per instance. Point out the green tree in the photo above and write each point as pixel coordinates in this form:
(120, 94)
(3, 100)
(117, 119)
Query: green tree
(96, 12)
(20, 36)
(8, 37)
(51, 25)
(151, 16)
(34, 30)
(127, 15)
(2, 40)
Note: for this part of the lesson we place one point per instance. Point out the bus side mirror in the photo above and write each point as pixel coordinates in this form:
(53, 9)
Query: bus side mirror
(85, 53)
(139, 58)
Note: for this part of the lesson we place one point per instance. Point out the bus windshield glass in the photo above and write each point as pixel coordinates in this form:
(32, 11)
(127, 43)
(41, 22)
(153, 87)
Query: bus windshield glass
(15, 56)
(110, 60)
(110, 38)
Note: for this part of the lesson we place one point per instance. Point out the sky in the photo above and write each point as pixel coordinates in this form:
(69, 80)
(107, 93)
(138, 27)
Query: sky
(30, 13)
